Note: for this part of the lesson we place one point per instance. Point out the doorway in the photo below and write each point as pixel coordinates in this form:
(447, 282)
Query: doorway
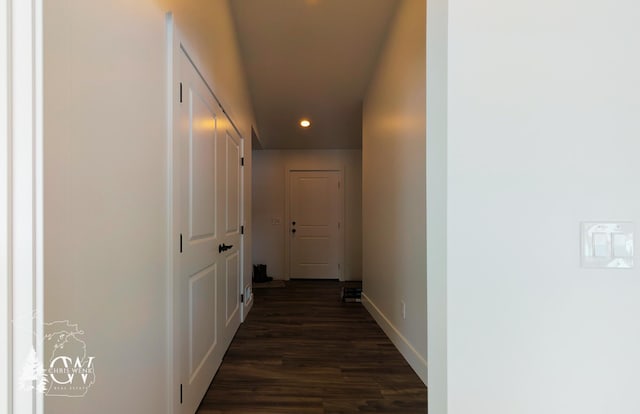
(315, 224)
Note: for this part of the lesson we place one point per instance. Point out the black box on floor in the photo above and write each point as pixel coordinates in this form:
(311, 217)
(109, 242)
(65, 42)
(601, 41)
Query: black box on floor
(350, 294)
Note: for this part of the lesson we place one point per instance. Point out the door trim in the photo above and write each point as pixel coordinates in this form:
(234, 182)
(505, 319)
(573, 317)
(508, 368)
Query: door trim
(173, 241)
(21, 212)
(287, 215)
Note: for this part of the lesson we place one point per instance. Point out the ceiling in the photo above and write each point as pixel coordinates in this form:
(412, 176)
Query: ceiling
(310, 59)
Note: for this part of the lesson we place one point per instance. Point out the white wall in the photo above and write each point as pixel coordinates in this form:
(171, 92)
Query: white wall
(543, 133)
(105, 183)
(393, 154)
(270, 169)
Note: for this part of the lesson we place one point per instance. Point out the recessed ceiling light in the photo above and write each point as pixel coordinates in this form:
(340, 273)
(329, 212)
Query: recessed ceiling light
(305, 123)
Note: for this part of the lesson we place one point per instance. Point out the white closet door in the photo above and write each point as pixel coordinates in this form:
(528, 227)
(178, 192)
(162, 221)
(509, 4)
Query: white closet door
(202, 268)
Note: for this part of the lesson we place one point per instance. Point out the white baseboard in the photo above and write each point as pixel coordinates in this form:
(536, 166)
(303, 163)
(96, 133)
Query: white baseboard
(413, 357)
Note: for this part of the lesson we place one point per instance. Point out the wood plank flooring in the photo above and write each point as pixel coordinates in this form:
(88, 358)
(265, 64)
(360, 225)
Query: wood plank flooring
(302, 350)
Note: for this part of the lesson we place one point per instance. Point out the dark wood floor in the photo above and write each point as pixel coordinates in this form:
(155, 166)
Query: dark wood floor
(302, 350)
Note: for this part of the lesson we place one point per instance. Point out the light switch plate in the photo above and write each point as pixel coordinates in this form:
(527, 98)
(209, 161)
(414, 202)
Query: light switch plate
(607, 245)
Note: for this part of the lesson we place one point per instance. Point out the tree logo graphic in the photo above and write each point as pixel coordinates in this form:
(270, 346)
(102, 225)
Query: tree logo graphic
(33, 374)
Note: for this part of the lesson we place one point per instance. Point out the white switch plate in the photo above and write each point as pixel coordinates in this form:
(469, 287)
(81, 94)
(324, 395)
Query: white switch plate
(607, 245)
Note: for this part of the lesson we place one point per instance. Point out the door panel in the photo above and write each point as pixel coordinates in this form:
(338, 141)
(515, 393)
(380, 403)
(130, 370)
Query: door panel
(315, 224)
(202, 333)
(232, 184)
(232, 288)
(312, 207)
(202, 171)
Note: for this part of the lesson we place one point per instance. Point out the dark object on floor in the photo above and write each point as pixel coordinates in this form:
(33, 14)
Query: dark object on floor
(260, 274)
(351, 294)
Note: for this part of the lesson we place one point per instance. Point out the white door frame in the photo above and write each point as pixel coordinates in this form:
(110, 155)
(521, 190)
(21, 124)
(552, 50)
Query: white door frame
(287, 215)
(21, 198)
(173, 262)
(5, 215)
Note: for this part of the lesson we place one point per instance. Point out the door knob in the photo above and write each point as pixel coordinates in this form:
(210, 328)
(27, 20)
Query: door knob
(293, 230)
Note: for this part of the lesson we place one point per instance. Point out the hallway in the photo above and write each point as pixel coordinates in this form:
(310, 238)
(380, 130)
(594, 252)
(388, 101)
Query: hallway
(302, 350)
(484, 145)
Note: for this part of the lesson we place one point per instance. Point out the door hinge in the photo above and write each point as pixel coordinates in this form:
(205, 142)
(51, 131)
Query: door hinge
(180, 92)
(241, 298)
(180, 242)
(338, 185)
(180, 393)
(241, 229)
(242, 162)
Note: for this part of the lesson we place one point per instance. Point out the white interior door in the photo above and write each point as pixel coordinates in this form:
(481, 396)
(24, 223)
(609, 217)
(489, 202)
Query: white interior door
(231, 221)
(202, 270)
(315, 224)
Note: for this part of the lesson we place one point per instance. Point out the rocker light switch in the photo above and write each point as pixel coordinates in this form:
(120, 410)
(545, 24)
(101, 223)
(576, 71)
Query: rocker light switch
(607, 245)
(622, 245)
(601, 245)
